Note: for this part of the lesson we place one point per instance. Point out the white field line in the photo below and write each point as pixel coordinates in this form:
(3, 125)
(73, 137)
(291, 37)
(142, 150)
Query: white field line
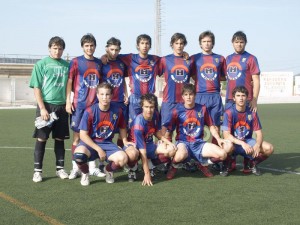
(240, 165)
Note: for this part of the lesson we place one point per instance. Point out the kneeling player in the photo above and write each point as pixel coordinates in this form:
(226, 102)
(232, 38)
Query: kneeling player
(189, 120)
(144, 126)
(238, 126)
(97, 129)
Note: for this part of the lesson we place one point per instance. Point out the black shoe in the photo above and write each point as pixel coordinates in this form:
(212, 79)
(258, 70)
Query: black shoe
(224, 170)
(216, 167)
(190, 167)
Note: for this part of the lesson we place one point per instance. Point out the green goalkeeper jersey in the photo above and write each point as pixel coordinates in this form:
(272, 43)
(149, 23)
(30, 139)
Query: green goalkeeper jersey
(51, 77)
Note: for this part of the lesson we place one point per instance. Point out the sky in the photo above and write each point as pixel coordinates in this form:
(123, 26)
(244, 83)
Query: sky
(272, 26)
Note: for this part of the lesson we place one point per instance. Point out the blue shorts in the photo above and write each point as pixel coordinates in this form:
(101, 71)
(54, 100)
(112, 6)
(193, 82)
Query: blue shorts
(75, 119)
(134, 107)
(107, 146)
(150, 150)
(238, 149)
(194, 150)
(214, 105)
(166, 112)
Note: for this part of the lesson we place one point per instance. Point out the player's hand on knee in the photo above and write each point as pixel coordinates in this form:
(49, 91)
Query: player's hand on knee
(102, 154)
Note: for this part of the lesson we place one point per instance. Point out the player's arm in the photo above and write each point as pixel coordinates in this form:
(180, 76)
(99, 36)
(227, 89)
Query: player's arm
(85, 137)
(259, 140)
(147, 177)
(125, 93)
(256, 89)
(166, 141)
(214, 132)
(123, 135)
(39, 99)
(69, 107)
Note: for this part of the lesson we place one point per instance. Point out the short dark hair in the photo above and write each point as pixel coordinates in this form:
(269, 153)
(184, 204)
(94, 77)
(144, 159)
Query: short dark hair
(88, 38)
(57, 41)
(207, 33)
(175, 37)
(188, 87)
(239, 35)
(143, 36)
(106, 86)
(241, 89)
(113, 41)
(151, 98)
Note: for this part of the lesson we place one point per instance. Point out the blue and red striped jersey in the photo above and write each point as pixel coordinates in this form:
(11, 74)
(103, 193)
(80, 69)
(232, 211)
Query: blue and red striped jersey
(142, 72)
(101, 125)
(208, 71)
(176, 72)
(189, 123)
(241, 124)
(142, 131)
(114, 73)
(240, 68)
(86, 75)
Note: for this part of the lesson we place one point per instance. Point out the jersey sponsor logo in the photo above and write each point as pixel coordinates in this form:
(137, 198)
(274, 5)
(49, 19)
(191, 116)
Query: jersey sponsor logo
(91, 78)
(234, 71)
(191, 127)
(180, 73)
(143, 73)
(58, 71)
(241, 130)
(104, 129)
(208, 71)
(115, 77)
(149, 135)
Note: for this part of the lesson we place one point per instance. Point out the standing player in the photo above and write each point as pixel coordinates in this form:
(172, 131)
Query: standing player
(144, 127)
(208, 70)
(189, 120)
(97, 129)
(242, 69)
(84, 76)
(114, 73)
(239, 124)
(48, 80)
(142, 72)
(176, 71)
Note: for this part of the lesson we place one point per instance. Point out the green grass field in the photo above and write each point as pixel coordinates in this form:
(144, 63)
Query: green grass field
(190, 198)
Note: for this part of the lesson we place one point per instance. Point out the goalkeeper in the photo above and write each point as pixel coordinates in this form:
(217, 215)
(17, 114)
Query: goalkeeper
(48, 80)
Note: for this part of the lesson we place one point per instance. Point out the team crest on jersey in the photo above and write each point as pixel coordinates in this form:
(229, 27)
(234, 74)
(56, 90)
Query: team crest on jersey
(179, 74)
(234, 71)
(144, 73)
(191, 127)
(250, 117)
(115, 77)
(208, 71)
(151, 62)
(122, 66)
(217, 60)
(244, 60)
(114, 116)
(199, 114)
(241, 130)
(104, 129)
(91, 78)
